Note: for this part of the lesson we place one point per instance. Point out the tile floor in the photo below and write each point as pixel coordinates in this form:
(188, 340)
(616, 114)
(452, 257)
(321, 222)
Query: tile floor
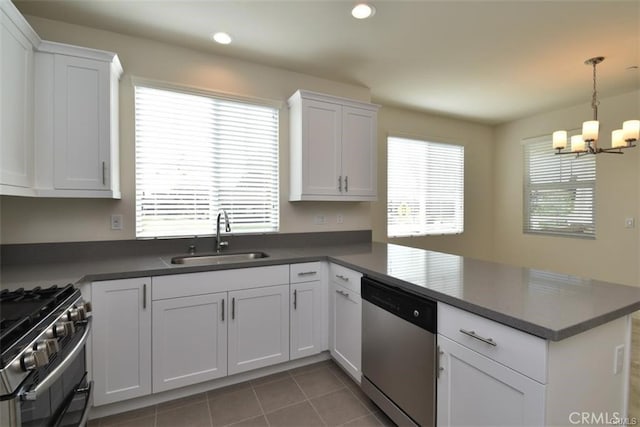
(316, 395)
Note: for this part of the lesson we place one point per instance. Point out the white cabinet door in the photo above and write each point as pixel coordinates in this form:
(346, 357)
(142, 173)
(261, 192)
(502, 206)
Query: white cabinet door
(333, 148)
(346, 333)
(81, 123)
(359, 165)
(321, 150)
(121, 339)
(189, 340)
(475, 390)
(258, 328)
(306, 319)
(16, 107)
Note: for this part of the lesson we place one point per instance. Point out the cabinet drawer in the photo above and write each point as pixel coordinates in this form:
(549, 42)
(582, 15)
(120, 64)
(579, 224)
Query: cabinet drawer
(207, 282)
(305, 272)
(518, 350)
(346, 277)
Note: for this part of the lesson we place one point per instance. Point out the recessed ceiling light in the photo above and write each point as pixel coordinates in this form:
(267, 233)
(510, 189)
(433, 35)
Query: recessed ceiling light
(222, 38)
(363, 11)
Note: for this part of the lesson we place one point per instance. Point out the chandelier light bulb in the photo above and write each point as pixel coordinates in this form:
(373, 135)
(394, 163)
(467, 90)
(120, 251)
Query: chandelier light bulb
(590, 130)
(577, 143)
(560, 139)
(617, 140)
(631, 130)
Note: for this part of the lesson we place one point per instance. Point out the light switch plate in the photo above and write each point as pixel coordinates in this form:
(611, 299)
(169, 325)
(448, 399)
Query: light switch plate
(116, 222)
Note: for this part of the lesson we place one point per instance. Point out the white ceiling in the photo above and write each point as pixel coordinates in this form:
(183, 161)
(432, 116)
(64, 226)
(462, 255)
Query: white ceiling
(488, 61)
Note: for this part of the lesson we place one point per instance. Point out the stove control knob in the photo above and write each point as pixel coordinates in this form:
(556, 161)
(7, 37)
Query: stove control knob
(79, 313)
(34, 360)
(50, 346)
(76, 314)
(61, 329)
(87, 307)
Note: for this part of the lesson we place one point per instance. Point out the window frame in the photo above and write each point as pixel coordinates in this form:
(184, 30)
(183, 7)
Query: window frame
(546, 141)
(276, 106)
(459, 205)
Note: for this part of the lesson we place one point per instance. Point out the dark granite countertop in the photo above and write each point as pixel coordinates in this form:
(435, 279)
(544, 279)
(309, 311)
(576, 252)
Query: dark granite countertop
(549, 305)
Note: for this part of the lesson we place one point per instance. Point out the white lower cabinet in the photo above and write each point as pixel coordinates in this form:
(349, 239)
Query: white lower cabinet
(189, 340)
(258, 328)
(306, 319)
(475, 390)
(494, 375)
(347, 330)
(346, 320)
(121, 339)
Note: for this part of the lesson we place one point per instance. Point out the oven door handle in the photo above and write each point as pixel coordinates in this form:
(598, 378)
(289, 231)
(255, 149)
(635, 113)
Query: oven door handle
(59, 370)
(85, 413)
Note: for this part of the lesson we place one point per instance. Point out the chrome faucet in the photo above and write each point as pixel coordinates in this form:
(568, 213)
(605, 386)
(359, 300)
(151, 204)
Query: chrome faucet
(220, 244)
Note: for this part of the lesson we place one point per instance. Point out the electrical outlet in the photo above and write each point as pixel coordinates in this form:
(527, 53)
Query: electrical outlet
(116, 222)
(339, 219)
(629, 222)
(319, 219)
(618, 359)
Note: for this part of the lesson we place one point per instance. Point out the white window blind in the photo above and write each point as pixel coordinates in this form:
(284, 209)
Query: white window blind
(559, 191)
(197, 154)
(425, 188)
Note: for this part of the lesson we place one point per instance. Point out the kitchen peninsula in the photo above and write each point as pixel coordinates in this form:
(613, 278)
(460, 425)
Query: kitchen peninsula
(577, 324)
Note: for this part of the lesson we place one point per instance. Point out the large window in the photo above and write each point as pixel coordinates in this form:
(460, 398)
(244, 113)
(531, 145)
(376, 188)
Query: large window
(198, 154)
(559, 191)
(425, 188)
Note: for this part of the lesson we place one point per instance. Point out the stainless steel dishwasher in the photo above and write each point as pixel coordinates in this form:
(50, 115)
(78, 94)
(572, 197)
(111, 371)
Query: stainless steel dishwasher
(399, 353)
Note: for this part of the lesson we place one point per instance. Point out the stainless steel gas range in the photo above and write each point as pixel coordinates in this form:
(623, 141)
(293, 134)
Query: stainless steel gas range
(43, 378)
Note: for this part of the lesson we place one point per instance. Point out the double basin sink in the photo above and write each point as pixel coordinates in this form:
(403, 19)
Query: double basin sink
(213, 259)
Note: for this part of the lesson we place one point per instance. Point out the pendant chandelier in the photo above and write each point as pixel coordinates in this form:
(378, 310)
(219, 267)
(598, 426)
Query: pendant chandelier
(586, 143)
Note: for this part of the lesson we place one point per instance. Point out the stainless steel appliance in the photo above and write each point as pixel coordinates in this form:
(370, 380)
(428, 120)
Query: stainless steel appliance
(43, 378)
(399, 353)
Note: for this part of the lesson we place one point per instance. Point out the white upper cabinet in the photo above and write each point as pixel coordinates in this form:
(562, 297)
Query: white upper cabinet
(333, 148)
(17, 41)
(58, 115)
(76, 122)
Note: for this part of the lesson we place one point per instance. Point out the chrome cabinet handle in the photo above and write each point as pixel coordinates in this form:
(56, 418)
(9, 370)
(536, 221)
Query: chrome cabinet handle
(307, 273)
(144, 296)
(104, 173)
(340, 183)
(344, 294)
(339, 276)
(346, 184)
(295, 299)
(439, 367)
(473, 334)
(223, 309)
(233, 308)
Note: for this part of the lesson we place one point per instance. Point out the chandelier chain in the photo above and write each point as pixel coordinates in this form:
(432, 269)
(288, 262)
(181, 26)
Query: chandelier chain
(594, 97)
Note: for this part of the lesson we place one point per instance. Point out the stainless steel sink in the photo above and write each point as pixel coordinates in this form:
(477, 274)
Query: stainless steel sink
(210, 259)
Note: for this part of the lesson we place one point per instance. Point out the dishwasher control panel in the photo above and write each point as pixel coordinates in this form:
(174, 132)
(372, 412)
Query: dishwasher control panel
(413, 308)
